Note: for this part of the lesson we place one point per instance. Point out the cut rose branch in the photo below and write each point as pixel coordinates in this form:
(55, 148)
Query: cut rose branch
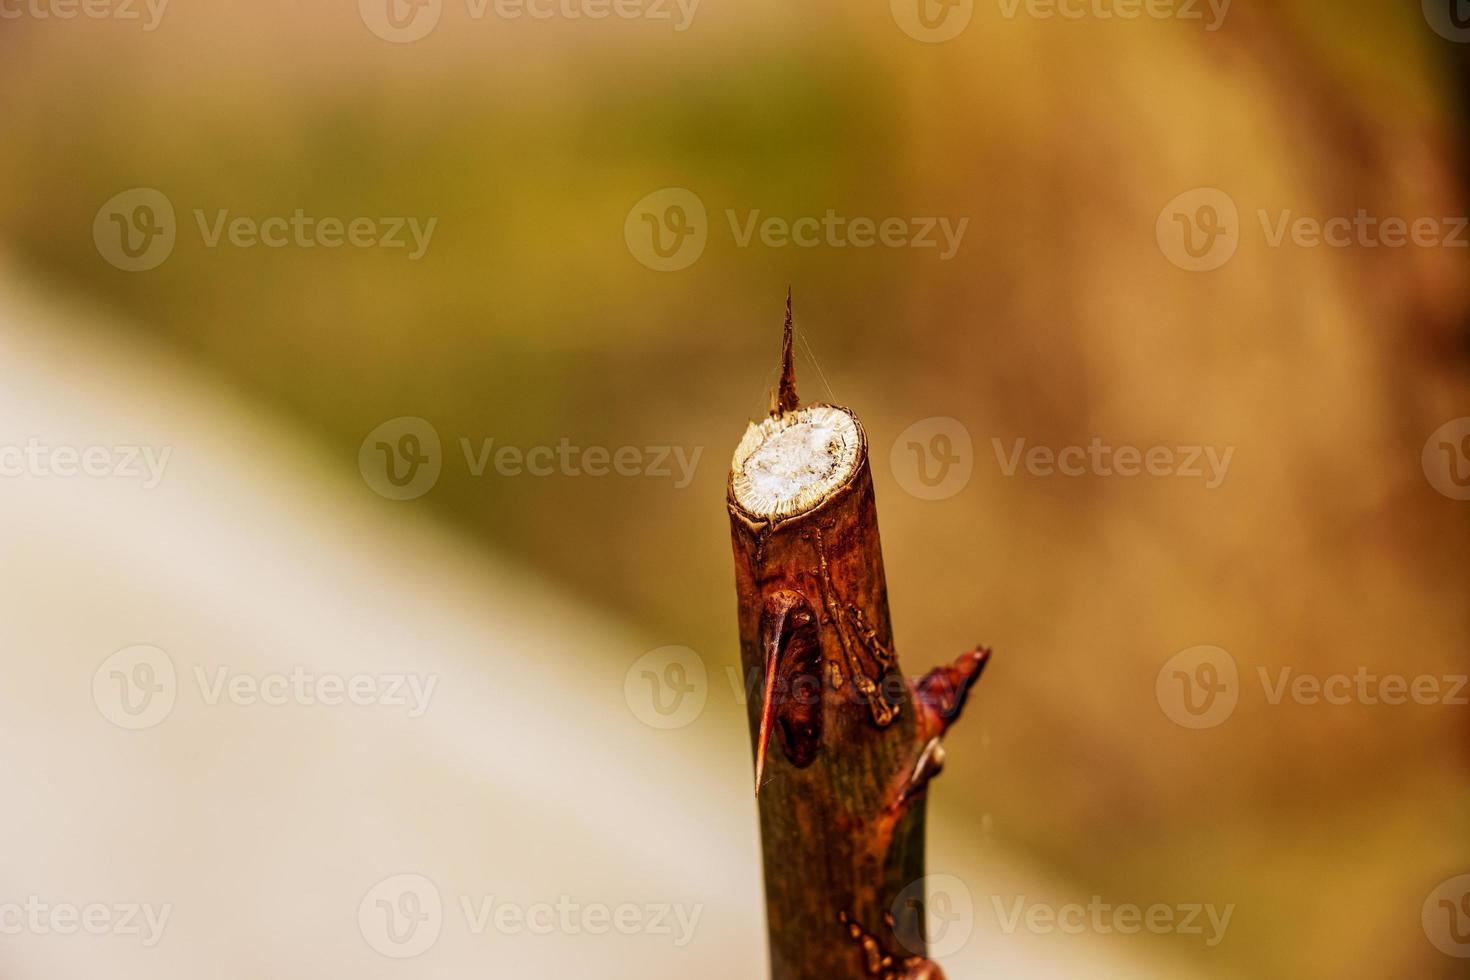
(844, 744)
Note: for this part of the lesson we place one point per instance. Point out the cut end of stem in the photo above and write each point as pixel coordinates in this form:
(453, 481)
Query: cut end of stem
(791, 463)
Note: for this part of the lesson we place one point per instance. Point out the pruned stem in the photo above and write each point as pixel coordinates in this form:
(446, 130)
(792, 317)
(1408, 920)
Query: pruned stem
(844, 745)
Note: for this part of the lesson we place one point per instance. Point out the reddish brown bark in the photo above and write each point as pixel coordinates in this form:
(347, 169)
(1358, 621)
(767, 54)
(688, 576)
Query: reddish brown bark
(845, 744)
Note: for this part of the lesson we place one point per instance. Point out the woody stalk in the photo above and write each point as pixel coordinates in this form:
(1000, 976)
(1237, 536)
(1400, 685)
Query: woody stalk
(844, 744)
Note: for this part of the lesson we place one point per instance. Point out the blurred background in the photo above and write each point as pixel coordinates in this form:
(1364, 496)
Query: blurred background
(366, 281)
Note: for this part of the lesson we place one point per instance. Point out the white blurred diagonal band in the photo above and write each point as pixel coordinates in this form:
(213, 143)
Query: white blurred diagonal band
(256, 833)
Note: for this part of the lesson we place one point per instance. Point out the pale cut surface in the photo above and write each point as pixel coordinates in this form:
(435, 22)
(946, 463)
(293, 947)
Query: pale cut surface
(787, 465)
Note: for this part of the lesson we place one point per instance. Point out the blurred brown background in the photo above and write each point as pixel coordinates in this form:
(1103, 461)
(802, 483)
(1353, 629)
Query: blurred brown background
(1062, 317)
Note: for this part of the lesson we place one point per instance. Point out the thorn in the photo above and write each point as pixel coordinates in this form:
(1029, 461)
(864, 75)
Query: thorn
(768, 709)
(942, 692)
(786, 400)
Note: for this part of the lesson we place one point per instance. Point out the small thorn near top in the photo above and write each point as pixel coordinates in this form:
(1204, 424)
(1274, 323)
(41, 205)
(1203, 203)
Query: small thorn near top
(786, 400)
